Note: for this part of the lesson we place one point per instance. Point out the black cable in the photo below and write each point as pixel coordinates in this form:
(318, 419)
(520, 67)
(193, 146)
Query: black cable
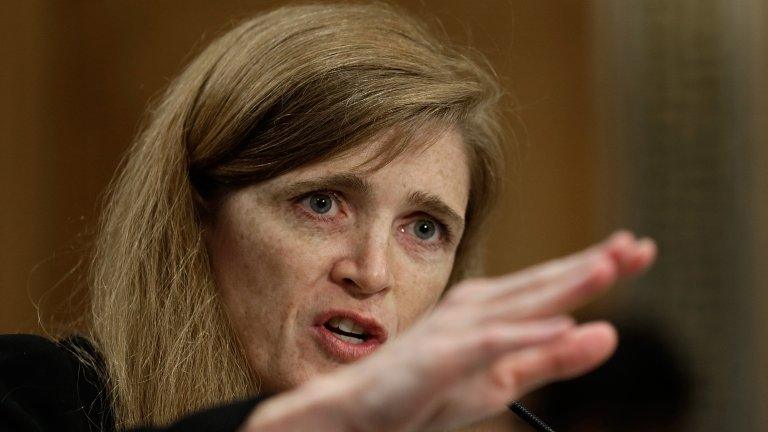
(529, 417)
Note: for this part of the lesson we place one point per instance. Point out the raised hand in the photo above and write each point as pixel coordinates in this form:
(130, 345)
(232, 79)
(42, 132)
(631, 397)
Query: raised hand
(490, 341)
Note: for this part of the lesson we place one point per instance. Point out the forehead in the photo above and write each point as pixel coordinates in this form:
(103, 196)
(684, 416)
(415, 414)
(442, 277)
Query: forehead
(439, 169)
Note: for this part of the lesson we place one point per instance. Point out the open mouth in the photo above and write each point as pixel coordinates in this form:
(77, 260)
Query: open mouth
(347, 330)
(346, 335)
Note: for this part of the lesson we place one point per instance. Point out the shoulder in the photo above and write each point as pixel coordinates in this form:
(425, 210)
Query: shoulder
(28, 361)
(34, 361)
(21, 348)
(43, 385)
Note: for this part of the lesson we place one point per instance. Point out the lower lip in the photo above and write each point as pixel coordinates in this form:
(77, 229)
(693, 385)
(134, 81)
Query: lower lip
(340, 350)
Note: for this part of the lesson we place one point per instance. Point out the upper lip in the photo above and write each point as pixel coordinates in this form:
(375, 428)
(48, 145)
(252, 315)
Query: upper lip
(368, 323)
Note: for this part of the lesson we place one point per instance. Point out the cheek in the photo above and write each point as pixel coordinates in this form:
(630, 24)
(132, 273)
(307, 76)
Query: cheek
(266, 257)
(262, 271)
(420, 292)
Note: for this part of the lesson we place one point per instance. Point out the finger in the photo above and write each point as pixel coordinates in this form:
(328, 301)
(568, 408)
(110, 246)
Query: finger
(574, 290)
(445, 361)
(559, 297)
(535, 276)
(580, 350)
(631, 255)
(621, 247)
(494, 341)
(645, 254)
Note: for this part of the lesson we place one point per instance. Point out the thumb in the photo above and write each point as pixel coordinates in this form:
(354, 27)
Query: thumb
(578, 351)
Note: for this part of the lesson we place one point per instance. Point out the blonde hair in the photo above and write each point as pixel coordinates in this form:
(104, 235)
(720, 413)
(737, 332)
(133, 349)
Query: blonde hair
(296, 85)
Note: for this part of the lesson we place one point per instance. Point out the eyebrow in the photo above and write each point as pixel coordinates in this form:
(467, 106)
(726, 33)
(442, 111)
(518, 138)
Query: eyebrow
(433, 204)
(336, 181)
(427, 201)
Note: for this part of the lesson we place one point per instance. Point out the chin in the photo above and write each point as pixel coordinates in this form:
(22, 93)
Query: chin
(288, 380)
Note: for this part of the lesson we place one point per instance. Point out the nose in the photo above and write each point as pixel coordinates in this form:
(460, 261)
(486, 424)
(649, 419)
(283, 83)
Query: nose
(366, 267)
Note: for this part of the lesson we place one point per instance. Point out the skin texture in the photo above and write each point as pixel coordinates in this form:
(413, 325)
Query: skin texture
(490, 341)
(278, 263)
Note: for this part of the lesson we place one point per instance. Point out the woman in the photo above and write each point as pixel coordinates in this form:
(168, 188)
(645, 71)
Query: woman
(298, 224)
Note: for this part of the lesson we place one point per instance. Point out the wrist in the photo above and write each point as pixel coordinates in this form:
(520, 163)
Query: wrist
(317, 406)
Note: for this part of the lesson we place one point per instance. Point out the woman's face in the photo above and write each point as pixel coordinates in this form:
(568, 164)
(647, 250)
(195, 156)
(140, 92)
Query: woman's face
(294, 255)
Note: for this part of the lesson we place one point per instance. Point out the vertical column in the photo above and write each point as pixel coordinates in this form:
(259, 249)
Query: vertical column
(749, 39)
(24, 175)
(674, 87)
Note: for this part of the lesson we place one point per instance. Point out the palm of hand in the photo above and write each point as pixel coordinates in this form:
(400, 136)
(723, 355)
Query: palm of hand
(492, 341)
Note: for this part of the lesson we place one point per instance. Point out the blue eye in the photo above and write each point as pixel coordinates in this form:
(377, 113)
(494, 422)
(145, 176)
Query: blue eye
(424, 229)
(320, 203)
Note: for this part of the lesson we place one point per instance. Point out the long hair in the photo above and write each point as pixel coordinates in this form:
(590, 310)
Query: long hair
(295, 85)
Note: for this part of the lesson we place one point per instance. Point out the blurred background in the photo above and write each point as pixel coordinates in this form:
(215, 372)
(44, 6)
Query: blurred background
(648, 115)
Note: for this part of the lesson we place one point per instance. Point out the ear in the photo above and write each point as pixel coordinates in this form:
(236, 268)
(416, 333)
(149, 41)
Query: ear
(207, 216)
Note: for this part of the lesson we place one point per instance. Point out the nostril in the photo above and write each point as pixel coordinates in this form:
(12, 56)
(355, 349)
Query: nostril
(349, 281)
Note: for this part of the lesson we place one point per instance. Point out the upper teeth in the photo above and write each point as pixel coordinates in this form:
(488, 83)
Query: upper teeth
(347, 325)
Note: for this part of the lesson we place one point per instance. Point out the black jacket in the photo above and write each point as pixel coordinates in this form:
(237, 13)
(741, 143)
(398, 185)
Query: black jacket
(44, 387)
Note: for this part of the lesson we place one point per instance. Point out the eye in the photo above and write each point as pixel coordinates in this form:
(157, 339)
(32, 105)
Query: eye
(424, 229)
(428, 231)
(321, 203)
